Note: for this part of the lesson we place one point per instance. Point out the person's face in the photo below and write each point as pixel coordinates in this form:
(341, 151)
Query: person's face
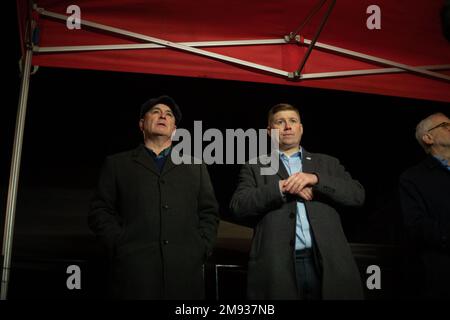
(438, 133)
(290, 128)
(158, 121)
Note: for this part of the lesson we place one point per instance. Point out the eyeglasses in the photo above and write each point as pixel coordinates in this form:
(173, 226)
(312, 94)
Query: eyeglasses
(443, 124)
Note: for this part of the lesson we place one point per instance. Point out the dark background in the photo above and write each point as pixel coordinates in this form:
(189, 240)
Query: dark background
(77, 117)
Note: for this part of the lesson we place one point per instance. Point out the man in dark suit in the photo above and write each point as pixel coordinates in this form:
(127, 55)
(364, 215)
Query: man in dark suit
(425, 201)
(158, 220)
(299, 250)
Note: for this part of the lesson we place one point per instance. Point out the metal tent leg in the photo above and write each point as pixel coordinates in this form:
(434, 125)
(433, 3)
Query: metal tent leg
(14, 174)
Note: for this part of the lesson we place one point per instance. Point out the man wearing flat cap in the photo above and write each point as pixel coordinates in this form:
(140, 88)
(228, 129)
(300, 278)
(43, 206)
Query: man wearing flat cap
(157, 220)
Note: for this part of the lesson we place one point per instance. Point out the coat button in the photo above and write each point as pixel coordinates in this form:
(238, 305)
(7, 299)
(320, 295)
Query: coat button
(291, 243)
(166, 241)
(166, 206)
(292, 215)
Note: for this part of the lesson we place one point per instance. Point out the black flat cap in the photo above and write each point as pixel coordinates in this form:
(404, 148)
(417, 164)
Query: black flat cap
(168, 101)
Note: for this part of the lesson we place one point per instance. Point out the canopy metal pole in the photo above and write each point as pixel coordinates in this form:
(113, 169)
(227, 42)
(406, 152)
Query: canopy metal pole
(14, 175)
(352, 73)
(375, 59)
(298, 72)
(197, 44)
(167, 43)
(311, 14)
(304, 76)
(190, 47)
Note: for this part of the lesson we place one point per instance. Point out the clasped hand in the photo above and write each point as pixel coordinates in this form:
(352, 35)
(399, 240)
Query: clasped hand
(299, 184)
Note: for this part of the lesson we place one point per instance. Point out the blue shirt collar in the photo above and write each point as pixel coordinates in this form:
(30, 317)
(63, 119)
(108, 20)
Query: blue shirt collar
(298, 154)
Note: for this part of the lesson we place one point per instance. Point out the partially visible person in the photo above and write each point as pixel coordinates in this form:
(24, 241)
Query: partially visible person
(425, 201)
(157, 220)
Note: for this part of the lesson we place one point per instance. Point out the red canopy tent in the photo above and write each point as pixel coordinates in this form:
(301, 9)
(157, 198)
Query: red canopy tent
(311, 43)
(410, 34)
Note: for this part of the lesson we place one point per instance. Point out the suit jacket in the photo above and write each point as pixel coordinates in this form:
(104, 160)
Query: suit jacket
(158, 227)
(425, 200)
(271, 267)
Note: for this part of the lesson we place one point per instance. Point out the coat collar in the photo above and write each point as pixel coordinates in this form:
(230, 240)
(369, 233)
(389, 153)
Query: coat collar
(141, 156)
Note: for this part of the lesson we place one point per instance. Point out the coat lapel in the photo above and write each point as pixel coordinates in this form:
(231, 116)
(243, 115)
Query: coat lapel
(169, 165)
(308, 162)
(308, 165)
(142, 157)
(282, 172)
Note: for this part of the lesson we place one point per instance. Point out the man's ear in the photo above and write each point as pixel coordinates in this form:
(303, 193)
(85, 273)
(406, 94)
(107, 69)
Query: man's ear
(141, 124)
(268, 131)
(428, 139)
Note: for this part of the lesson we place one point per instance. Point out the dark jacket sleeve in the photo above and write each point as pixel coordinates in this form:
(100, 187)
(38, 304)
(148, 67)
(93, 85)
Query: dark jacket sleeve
(251, 199)
(421, 227)
(337, 184)
(103, 217)
(208, 211)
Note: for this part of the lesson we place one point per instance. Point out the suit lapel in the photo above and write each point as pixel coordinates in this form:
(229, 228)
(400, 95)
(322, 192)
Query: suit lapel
(142, 157)
(282, 172)
(308, 165)
(308, 162)
(169, 165)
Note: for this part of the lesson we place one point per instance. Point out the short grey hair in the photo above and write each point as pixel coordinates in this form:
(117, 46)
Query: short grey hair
(423, 127)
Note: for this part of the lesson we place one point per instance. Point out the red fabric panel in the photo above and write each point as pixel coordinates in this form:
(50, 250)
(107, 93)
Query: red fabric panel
(22, 9)
(410, 34)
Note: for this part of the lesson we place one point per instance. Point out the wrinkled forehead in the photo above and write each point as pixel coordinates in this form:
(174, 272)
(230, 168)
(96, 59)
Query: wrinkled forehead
(286, 114)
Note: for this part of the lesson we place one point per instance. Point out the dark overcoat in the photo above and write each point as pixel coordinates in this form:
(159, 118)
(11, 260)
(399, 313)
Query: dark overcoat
(425, 201)
(157, 227)
(271, 266)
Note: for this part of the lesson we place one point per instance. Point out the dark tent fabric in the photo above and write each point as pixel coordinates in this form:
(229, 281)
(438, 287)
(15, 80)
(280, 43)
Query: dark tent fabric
(411, 33)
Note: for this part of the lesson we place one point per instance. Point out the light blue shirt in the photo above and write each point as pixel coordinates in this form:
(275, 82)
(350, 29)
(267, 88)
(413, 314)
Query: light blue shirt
(293, 164)
(443, 162)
